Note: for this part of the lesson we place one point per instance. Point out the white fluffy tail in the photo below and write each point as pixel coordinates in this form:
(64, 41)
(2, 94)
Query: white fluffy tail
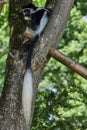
(27, 94)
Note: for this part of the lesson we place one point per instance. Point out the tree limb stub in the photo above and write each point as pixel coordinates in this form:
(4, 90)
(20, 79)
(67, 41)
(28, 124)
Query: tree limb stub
(28, 33)
(68, 62)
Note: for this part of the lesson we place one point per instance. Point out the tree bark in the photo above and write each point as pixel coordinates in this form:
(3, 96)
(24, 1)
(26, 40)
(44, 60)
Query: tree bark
(11, 113)
(79, 69)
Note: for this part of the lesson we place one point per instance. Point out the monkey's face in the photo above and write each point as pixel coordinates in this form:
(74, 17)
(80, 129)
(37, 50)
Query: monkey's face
(27, 13)
(28, 10)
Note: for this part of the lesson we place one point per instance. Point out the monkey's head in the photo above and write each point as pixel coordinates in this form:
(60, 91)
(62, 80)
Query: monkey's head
(27, 11)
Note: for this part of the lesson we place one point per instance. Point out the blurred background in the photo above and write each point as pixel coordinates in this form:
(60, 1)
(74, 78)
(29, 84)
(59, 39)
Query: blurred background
(61, 102)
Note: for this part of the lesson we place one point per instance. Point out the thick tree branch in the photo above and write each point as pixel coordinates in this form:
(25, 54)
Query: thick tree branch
(68, 62)
(53, 33)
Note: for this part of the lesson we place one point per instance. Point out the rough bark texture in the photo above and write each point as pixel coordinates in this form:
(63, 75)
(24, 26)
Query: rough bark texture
(11, 114)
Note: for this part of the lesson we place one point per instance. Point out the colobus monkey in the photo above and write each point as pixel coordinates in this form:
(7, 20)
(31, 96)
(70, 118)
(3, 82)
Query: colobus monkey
(39, 18)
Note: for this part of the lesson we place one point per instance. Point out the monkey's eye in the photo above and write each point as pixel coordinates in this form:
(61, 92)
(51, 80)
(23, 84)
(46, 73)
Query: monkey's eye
(26, 11)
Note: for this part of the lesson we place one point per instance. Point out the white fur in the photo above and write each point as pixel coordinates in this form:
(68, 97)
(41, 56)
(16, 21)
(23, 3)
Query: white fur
(33, 11)
(27, 94)
(27, 18)
(43, 23)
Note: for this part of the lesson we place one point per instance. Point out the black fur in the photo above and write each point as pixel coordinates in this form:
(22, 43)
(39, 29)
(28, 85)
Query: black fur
(39, 18)
(35, 14)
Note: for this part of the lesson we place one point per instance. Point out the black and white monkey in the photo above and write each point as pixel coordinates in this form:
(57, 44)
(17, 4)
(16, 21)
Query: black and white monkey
(39, 18)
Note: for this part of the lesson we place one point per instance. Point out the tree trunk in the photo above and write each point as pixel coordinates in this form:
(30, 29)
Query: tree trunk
(11, 113)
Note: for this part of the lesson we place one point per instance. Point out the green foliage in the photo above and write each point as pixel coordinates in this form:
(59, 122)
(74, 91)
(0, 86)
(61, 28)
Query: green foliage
(39, 3)
(61, 100)
(4, 38)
